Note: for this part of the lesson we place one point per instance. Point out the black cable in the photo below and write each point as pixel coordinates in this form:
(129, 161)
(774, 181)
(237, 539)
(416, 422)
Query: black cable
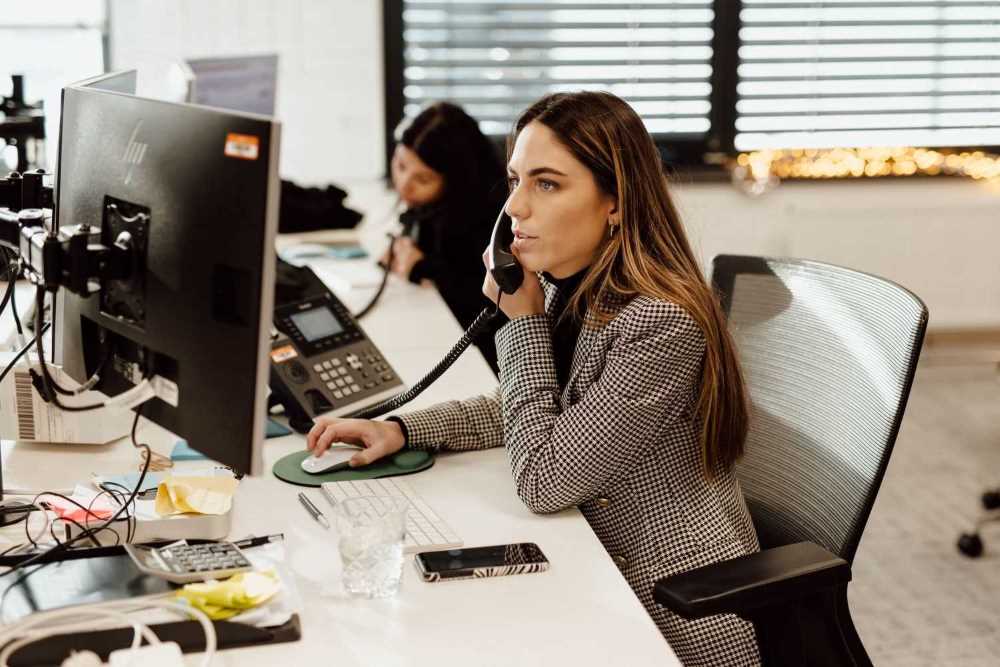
(6, 295)
(12, 280)
(21, 353)
(65, 545)
(386, 270)
(21, 513)
(90, 535)
(478, 326)
(49, 383)
(27, 528)
(119, 497)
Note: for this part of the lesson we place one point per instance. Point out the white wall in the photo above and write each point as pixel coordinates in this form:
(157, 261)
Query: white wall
(330, 90)
(940, 238)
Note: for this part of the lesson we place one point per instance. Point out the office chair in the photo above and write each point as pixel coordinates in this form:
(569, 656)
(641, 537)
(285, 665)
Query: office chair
(829, 356)
(971, 544)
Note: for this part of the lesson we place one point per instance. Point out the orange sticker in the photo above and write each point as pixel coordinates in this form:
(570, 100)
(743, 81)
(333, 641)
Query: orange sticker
(284, 353)
(242, 146)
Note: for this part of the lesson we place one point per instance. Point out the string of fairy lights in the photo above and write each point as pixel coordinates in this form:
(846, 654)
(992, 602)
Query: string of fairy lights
(760, 170)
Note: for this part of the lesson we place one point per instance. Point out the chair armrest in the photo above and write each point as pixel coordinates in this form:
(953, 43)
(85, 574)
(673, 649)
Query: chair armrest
(772, 577)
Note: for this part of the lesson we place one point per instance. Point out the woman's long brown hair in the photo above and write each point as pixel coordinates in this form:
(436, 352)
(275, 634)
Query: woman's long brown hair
(649, 254)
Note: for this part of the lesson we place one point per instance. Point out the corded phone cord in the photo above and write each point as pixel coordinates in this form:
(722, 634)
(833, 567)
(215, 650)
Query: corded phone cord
(478, 326)
(387, 269)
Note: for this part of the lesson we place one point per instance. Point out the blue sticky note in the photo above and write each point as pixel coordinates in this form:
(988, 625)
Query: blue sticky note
(129, 480)
(182, 452)
(348, 252)
(276, 430)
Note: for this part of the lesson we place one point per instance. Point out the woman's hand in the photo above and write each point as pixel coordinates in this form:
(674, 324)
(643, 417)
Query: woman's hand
(379, 438)
(405, 254)
(529, 299)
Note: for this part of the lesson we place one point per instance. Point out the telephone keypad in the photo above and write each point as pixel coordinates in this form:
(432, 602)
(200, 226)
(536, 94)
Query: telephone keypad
(341, 378)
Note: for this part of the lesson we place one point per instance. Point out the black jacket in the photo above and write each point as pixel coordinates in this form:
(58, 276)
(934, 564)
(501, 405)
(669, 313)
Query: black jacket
(453, 245)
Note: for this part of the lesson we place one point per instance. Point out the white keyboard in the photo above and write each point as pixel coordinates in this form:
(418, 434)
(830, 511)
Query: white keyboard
(425, 530)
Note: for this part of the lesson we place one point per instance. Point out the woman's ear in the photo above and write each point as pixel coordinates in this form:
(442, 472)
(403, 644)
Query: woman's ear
(613, 217)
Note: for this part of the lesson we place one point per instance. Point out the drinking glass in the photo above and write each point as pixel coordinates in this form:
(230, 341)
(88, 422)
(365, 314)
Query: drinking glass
(370, 533)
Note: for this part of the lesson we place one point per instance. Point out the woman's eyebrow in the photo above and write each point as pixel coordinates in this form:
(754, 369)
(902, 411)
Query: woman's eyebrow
(538, 170)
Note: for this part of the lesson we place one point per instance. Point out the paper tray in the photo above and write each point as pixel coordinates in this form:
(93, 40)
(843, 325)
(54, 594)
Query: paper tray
(169, 529)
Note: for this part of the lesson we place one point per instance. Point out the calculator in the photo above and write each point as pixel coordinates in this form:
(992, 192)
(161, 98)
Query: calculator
(183, 563)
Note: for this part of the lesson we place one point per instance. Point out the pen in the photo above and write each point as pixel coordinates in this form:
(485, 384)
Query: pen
(316, 514)
(257, 541)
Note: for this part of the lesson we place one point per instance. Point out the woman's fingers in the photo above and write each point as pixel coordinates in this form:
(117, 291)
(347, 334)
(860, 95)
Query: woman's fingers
(490, 287)
(377, 438)
(351, 431)
(319, 425)
(367, 455)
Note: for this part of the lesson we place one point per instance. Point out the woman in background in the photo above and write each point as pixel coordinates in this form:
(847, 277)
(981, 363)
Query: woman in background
(453, 183)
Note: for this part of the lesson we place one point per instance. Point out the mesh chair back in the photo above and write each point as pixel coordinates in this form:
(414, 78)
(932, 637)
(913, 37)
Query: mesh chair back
(829, 356)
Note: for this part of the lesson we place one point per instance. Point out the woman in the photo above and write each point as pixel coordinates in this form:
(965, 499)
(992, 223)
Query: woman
(452, 181)
(620, 391)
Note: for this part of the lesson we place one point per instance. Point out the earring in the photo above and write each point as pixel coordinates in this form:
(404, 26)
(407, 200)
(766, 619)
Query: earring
(613, 228)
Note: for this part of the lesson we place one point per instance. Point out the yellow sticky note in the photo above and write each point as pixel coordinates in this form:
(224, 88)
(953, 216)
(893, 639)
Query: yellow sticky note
(201, 495)
(224, 599)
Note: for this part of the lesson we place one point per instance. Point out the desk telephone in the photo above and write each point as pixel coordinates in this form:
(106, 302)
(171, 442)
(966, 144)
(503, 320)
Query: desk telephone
(323, 363)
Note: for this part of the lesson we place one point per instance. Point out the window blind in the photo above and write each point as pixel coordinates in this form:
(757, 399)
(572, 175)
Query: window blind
(839, 73)
(495, 58)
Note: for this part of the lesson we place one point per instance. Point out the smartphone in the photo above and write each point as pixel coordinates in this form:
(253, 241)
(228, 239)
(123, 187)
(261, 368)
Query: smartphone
(481, 562)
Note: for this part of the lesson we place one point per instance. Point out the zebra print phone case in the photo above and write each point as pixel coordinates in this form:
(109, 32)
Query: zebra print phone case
(480, 562)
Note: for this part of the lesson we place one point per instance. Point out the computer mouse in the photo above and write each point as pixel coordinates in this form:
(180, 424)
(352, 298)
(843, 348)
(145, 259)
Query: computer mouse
(335, 458)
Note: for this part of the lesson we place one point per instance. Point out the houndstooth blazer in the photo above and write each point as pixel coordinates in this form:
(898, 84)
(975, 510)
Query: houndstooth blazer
(620, 442)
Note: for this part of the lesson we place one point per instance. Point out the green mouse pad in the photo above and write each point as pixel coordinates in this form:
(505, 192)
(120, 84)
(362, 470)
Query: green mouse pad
(289, 468)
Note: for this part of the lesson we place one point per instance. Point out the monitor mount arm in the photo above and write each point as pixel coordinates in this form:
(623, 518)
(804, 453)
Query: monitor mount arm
(75, 258)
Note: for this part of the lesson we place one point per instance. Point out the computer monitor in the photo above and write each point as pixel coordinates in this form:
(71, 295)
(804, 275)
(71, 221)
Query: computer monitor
(116, 82)
(197, 191)
(239, 83)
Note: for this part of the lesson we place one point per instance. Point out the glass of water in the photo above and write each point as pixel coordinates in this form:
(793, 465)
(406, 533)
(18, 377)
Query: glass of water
(370, 534)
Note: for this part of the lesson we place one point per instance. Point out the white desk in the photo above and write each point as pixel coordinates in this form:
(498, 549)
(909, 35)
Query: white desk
(580, 612)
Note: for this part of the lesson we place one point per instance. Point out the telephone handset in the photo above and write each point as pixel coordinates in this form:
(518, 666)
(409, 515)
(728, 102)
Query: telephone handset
(413, 219)
(506, 270)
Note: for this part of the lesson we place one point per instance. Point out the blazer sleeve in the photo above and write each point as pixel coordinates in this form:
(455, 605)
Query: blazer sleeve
(456, 425)
(562, 458)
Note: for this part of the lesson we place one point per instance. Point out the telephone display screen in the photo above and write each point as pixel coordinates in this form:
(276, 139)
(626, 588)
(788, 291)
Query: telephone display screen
(480, 557)
(316, 323)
